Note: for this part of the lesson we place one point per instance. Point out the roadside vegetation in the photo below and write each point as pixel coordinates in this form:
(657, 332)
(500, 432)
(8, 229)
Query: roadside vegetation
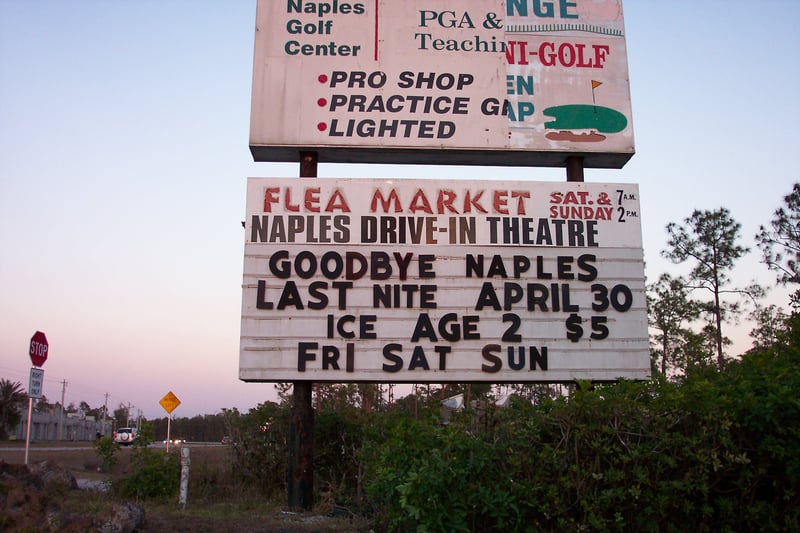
(712, 451)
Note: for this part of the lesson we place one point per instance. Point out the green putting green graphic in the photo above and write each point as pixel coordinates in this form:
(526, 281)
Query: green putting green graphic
(585, 117)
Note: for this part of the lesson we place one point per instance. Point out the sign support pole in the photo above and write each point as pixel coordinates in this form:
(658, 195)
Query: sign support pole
(38, 353)
(574, 168)
(169, 424)
(301, 429)
(28, 429)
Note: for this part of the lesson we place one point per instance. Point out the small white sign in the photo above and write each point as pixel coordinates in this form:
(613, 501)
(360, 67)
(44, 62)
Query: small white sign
(36, 383)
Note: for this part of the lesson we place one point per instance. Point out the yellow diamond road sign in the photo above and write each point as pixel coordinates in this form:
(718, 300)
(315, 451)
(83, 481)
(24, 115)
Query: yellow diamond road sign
(169, 402)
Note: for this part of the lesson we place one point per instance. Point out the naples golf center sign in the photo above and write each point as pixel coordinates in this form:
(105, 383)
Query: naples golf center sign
(487, 82)
(442, 281)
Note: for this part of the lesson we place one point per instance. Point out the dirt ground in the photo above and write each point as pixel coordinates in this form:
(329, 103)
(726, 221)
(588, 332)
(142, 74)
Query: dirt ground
(230, 515)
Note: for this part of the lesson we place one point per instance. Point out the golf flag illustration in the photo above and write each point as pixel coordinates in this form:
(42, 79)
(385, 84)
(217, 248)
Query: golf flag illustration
(595, 85)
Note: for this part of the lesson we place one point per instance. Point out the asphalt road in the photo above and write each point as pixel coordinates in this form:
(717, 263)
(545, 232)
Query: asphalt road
(19, 446)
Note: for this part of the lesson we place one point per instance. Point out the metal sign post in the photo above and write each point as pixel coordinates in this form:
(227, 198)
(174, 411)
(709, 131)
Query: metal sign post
(28, 429)
(38, 351)
(169, 429)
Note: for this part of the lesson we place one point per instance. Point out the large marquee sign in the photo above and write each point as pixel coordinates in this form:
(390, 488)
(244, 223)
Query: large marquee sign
(442, 281)
(487, 82)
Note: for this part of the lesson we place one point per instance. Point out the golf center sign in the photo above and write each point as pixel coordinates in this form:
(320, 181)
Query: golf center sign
(437, 281)
(487, 82)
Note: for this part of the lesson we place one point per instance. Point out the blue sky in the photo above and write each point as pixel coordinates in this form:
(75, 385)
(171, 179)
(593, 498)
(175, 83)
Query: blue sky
(124, 158)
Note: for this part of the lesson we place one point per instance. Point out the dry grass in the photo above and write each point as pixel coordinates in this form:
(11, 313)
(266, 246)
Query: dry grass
(217, 501)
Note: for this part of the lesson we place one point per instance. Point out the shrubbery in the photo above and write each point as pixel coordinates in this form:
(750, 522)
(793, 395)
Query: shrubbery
(106, 450)
(717, 451)
(155, 474)
(262, 449)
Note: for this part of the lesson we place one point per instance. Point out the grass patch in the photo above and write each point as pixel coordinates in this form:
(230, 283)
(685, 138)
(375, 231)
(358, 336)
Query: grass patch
(217, 500)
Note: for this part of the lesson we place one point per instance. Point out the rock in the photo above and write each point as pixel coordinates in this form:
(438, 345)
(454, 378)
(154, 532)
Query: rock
(96, 485)
(21, 501)
(53, 474)
(125, 517)
(26, 506)
(22, 475)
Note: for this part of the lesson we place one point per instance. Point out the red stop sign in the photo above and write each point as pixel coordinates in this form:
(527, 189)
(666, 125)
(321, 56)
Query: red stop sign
(39, 347)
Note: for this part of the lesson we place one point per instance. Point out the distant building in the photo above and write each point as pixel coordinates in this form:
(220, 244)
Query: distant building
(76, 426)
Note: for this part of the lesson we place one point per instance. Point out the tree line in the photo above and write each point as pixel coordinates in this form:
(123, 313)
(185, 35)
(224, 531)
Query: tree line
(688, 316)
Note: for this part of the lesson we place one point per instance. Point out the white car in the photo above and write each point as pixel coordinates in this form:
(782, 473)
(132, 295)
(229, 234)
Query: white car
(125, 436)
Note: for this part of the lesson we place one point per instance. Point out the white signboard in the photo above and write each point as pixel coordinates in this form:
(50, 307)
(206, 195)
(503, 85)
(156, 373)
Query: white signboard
(437, 281)
(489, 82)
(36, 383)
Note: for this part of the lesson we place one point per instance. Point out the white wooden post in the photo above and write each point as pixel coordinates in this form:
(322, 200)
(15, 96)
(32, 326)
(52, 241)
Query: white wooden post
(185, 462)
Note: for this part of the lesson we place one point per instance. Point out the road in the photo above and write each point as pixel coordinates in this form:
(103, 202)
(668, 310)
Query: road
(74, 453)
(11, 448)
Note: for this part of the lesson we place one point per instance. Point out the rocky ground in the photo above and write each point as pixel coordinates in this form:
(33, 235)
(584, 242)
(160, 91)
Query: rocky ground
(47, 496)
(31, 499)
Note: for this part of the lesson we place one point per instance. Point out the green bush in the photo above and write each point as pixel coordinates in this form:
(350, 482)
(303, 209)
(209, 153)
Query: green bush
(628, 457)
(261, 447)
(155, 475)
(106, 450)
(432, 478)
(338, 438)
(145, 436)
(718, 452)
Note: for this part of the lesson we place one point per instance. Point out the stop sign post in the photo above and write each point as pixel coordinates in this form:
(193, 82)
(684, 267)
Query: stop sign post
(39, 348)
(38, 352)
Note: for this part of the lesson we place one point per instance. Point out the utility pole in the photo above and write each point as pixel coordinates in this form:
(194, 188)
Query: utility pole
(61, 415)
(105, 411)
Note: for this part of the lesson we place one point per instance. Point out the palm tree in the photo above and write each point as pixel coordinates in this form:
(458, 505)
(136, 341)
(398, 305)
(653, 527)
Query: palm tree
(12, 398)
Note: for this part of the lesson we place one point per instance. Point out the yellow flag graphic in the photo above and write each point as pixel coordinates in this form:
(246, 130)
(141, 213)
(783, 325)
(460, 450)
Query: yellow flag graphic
(596, 84)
